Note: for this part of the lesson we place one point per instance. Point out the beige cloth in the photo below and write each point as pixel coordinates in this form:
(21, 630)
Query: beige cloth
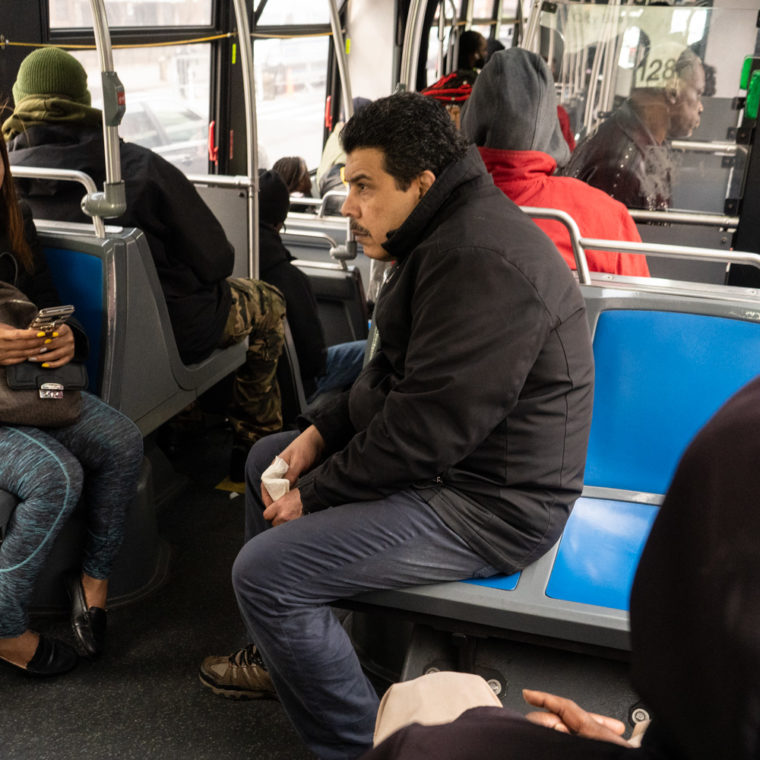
(272, 479)
(431, 699)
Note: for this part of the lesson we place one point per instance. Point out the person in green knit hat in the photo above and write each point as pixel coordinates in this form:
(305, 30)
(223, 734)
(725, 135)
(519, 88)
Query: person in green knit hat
(51, 86)
(54, 125)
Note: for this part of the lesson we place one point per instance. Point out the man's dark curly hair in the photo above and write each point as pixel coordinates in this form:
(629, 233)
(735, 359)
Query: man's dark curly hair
(414, 133)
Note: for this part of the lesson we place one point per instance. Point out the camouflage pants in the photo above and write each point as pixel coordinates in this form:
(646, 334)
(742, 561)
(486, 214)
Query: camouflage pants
(257, 313)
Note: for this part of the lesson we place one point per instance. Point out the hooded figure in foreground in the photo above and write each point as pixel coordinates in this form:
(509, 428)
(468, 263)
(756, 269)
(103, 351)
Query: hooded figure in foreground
(512, 117)
(695, 618)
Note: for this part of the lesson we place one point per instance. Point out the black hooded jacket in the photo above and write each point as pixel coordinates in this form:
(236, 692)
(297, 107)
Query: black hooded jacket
(480, 395)
(302, 311)
(189, 247)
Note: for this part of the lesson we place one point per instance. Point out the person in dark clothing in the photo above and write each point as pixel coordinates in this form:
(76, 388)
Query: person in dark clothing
(629, 156)
(322, 368)
(53, 125)
(695, 617)
(473, 52)
(434, 466)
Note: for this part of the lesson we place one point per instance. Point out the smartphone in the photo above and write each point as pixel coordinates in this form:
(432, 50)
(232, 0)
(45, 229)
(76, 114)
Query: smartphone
(48, 319)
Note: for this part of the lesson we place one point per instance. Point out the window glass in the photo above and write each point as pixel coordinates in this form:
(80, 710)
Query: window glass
(667, 75)
(167, 93)
(71, 14)
(290, 78)
(279, 12)
(482, 8)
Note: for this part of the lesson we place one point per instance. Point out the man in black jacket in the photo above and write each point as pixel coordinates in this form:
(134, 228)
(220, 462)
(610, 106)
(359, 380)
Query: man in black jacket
(629, 156)
(459, 450)
(53, 125)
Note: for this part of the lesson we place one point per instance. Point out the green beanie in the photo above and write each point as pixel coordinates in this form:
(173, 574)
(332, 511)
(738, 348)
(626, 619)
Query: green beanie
(52, 71)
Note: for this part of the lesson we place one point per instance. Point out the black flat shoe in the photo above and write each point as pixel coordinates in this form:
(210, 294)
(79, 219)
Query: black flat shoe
(51, 658)
(89, 625)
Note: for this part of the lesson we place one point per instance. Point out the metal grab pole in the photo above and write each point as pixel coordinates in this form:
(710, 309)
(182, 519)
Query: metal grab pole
(249, 94)
(410, 52)
(112, 201)
(341, 58)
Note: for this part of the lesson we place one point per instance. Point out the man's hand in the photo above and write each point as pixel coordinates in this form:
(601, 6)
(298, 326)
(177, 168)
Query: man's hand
(301, 455)
(564, 715)
(60, 348)
(285, 509)
(17, 346)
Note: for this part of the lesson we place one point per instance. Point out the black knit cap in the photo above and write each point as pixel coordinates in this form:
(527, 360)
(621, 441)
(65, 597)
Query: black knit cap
(274, 200)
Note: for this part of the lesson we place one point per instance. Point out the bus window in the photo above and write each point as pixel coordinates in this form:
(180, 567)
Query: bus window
(167, 91)
(294, 12)
(71, 14)
(291, 76)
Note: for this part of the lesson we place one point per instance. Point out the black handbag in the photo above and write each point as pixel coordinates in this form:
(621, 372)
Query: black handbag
(29, 393)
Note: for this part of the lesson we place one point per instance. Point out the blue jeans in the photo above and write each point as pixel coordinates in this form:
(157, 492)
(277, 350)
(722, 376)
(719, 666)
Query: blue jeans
(344, 363)
(286, 577)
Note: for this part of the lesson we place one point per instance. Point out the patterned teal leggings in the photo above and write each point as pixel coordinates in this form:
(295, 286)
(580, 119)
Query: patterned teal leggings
(97, 458)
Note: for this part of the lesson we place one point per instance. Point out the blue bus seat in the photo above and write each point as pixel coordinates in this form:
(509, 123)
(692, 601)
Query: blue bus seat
(135, 363)
(667, 357)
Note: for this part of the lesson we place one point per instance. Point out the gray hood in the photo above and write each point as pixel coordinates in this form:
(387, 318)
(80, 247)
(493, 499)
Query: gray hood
(513, 106)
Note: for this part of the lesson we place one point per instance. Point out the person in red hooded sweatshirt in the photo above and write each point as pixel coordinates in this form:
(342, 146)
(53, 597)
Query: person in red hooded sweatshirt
(512, 117)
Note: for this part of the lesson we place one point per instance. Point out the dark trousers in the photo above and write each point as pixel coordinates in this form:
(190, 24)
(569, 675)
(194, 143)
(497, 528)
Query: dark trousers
(286, 577)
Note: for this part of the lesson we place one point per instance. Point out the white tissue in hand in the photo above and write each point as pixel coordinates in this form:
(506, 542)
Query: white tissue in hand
(272, 479)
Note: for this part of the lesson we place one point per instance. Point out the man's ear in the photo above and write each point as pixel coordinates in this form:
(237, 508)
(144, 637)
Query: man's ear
(424, 181)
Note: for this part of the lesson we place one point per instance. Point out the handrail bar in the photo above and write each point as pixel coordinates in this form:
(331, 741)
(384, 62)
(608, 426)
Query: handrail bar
(581, 264)
(703, 146)
(312, 234)
(674, 251)
(579, 244)
(66, 175)
(685, 217)
(331, 194)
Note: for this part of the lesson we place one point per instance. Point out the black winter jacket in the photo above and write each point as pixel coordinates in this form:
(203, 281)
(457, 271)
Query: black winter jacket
(481, 393)
(189, 247)
(303, 317)
(623, 159)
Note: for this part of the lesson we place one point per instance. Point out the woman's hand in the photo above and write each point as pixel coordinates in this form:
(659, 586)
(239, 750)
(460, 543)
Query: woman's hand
(17, 346)
(57, 350)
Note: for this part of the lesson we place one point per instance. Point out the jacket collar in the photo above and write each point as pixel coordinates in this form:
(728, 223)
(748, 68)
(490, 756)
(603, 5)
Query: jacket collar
(455, 175)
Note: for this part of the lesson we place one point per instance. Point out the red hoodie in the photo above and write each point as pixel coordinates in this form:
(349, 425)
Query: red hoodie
(526, 178)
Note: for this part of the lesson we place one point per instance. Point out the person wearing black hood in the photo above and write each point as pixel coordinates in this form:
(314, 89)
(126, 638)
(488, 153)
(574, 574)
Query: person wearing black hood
(695, 623)
(322, 369)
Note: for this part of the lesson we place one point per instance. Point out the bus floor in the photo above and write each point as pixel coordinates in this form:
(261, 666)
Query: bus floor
(142, 699)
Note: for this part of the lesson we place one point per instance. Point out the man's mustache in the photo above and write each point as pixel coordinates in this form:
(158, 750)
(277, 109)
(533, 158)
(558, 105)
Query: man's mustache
(358, 228)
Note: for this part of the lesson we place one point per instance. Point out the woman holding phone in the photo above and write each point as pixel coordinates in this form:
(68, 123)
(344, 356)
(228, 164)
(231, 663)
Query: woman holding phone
(96, 458)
